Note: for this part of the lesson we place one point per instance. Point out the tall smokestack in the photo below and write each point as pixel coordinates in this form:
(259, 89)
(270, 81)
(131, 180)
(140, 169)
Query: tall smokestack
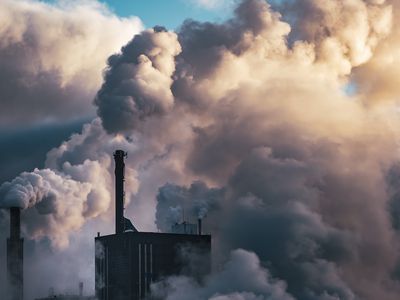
(119, 156)
(15, 254)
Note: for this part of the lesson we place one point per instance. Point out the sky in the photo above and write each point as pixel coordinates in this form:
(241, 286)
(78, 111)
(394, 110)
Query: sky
(171, 13)
(278, 124)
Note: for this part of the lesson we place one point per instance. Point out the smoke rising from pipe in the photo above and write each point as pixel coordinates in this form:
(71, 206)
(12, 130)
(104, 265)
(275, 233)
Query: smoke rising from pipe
(60, 199)
(58, 203)
(194, 202)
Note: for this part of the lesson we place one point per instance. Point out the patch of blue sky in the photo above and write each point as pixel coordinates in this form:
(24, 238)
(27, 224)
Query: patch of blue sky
(350, 89)
(170, 13)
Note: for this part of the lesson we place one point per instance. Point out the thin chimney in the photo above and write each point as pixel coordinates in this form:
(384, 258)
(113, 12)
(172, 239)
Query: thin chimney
(119, 156)
(15, 251)
(80, 289)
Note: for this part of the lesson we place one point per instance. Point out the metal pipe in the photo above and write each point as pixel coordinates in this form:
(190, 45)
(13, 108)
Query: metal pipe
(119, 156)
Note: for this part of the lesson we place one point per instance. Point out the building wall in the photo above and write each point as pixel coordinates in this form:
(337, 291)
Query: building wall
(15, 253)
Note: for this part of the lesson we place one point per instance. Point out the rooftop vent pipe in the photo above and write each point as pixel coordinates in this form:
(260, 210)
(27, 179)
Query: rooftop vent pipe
(80, 289)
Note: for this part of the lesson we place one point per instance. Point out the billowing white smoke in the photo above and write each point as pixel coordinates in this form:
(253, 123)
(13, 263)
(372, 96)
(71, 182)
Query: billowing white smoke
(59, 203)
(256, 108)
(60, 199)
(344, 34)
(273, 128)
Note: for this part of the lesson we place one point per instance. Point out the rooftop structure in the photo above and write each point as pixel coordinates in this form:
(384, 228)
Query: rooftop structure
(184, 228)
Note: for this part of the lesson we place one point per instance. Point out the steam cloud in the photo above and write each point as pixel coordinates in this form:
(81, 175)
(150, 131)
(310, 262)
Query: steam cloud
(249, 122)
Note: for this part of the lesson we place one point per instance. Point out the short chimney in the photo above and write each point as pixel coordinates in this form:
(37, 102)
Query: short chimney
(15, 252)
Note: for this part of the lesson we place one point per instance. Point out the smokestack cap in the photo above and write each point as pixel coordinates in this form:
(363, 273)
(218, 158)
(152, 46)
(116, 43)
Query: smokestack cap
(120, 153)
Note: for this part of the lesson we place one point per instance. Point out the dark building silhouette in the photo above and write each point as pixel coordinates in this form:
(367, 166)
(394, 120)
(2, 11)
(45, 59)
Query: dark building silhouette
(15, 254)
(128, 261)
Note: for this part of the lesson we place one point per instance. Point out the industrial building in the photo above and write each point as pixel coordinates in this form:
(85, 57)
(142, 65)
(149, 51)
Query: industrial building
(127, 262)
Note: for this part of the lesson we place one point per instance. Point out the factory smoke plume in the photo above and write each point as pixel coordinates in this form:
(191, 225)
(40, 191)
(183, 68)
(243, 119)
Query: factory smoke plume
(61, 204)
(280, 126)
(60, 199)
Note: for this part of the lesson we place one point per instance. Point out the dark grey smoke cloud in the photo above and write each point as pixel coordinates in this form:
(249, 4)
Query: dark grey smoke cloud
(137, 82)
